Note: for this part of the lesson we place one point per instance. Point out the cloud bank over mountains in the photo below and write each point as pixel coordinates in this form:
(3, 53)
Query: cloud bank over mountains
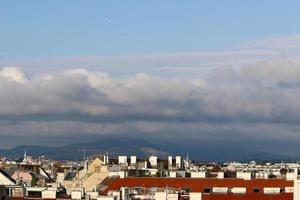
(259, 101)
(247, 97)
(266, 91)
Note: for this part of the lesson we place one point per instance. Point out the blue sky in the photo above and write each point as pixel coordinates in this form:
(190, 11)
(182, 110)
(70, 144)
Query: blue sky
(51, 28)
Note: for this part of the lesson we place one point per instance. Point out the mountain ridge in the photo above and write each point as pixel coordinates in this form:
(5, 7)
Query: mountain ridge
(141, 149)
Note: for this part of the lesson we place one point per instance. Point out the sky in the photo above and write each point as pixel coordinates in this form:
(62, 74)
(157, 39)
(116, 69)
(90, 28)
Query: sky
(228, 71)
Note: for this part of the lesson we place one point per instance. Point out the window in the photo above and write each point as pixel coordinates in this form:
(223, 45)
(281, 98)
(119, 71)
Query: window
(8, 192)
(206, 190)
(282, 190)
(256, 190)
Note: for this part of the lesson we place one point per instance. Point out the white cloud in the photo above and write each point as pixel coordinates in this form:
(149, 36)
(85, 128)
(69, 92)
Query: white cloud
(231, 94)
(13, 74)
(184, 65)
(264, 91)
(284, 43)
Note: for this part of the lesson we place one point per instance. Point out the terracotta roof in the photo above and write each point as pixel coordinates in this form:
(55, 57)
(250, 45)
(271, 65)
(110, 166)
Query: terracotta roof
(197, 184)
(253, 196)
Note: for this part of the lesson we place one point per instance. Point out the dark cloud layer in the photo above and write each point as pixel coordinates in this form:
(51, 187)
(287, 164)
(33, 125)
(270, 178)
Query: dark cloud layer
(260, 100)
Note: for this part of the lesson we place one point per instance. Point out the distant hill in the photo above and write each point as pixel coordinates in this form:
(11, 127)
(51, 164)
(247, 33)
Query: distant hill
(72, 152)
(142, 149)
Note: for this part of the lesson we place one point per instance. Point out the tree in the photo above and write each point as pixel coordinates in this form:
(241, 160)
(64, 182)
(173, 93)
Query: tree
(33, 181)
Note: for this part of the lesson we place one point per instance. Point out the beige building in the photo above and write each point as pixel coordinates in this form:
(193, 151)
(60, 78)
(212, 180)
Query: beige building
(89, 177)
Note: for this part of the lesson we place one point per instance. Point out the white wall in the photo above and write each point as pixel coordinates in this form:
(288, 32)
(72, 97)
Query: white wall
(160, 196)
(5, 181)
(132, 160)
(60, 177)
(289, 189)
(93, 195)
(220, 175)
(271, 190)
(238, 190)
(164, 196)
(170, 162)
(153, 160)
(122, 159)
(243, 175)
(195, 195)
(178, 161)
(172, 196)
(173, 174)
(121, 174)
(76, 195)
(290, 176)
(198, 174)
(220, 190)
(115, 194)
(49, 194)
(105, 198)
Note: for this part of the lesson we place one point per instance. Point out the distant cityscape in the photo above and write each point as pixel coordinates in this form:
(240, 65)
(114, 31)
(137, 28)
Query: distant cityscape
(102, 177)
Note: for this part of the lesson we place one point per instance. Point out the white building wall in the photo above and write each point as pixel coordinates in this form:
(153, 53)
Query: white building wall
(160, 196)
(105, 198)
(173, 174)
(172, 196)
(60, 177)
(271, 190)
(195, 195)
(289, 189)
(170, 162)
(164, 195)
(296, 189)
(153, 160)
(178, 161)
(5, 181)
(290, 176)
(93, 195)
(220, 175)
(115, 194)
(76, 195)
(243, 175)
(122, 159)
(132, 160)
(198, 174)
(220, 190)
(153, 171)
(49, 194)
(238, 190)
(121, 174)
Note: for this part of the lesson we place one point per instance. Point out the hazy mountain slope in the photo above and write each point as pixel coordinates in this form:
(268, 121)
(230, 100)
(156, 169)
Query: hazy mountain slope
(142, 149)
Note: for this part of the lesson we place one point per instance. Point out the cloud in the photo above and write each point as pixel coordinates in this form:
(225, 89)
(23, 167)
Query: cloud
(184, 65)
(13, 74)
(266, 91)
(284, 43)
(244, 94)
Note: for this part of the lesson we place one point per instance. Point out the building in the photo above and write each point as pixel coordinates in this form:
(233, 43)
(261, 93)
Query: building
(6, 179)
(208, 189)
(86, 178)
